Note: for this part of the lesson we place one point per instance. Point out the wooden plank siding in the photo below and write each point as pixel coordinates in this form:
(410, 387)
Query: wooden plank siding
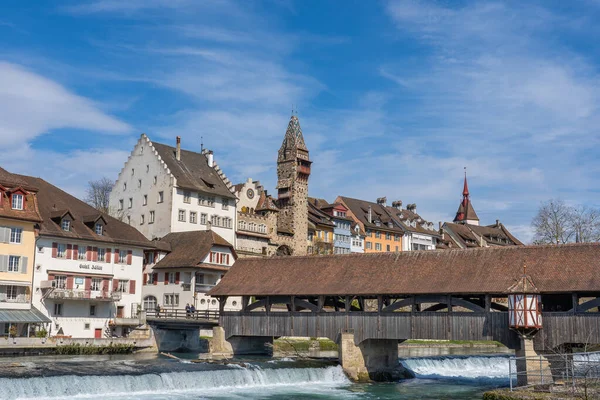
(565, 327)
(367, 325)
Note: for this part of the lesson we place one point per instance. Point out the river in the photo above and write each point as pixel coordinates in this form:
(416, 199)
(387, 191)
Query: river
(459, 374)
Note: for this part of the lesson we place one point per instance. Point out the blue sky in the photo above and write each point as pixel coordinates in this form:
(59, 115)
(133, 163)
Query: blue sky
(394, 97)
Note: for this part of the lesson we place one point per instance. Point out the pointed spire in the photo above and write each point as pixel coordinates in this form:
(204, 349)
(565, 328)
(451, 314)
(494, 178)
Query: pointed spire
(293, 140)
(466, 186)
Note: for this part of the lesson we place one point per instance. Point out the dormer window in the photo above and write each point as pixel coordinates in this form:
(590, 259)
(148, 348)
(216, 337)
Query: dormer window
(99, 229)
(65, 225)
(17, 201)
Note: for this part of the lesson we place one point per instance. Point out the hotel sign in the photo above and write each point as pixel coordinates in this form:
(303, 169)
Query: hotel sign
(91, 266)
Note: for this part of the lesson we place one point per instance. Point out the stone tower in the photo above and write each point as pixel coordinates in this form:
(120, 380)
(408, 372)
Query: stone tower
(293, 170)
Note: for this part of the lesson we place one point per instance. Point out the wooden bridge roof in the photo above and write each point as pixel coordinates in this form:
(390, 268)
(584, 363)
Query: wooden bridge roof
(554, 269)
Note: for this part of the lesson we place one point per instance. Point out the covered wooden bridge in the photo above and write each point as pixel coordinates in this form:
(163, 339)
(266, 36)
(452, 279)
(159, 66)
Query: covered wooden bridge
(450, 294)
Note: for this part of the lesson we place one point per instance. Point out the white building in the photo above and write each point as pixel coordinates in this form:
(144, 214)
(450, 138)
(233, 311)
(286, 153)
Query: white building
(163, 189)
(185, 267)
(88, 267)
(357, 244)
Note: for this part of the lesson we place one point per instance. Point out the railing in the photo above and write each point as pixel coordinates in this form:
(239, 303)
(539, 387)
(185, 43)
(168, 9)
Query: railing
(203, 287)
(78, 294)
(211, 315)
(20, 298)
(572, 372)
(303, 169)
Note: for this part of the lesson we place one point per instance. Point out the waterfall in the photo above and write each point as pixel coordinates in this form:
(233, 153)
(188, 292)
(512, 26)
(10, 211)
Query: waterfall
(460, 367)
(168, 382)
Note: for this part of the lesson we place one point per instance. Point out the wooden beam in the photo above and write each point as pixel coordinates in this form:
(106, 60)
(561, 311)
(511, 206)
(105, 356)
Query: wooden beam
(347, 303)
(488, 303)
(575, 300)
(267, 304)
(320, 303)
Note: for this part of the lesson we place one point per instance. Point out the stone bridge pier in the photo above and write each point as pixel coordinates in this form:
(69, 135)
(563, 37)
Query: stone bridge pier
(221, 346)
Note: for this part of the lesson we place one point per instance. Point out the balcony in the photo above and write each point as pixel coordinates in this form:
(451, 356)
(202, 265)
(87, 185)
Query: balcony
(20, 298)
(304, 169)
(78, 294)
(203, 288)
(186, 287)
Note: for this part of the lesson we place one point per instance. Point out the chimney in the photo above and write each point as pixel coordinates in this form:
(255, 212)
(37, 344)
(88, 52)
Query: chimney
(210, 157)
(497, 222)
(440, 226)
(382, 201)
(370, 216)
(397, 204)
(178, 151)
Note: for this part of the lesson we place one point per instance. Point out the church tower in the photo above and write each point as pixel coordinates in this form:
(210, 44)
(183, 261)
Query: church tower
(293, 170)
(466, 213)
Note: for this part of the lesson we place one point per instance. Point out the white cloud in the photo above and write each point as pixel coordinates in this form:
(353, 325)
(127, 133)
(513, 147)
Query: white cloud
(31, 105)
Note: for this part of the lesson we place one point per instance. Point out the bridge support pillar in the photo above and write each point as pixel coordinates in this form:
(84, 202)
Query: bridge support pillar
(222, 346)
(373, 359)
(532, 368)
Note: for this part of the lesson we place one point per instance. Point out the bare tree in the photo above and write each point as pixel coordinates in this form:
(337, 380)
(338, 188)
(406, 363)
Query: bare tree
(98, 194)
(586, 224)
(553, 223)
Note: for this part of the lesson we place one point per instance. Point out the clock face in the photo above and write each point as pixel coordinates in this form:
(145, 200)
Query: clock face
(250, 193)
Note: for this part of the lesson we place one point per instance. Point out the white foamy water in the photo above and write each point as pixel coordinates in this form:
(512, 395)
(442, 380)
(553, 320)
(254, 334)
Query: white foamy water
(472, 367)
(171, 383)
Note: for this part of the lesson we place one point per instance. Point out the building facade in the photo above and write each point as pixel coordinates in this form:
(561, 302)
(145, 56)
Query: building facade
(163, 189)
(19, 216)
(184, 267)
(88, 267)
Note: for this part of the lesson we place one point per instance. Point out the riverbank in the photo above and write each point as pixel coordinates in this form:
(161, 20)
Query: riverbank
(546, 392)
(22, 347)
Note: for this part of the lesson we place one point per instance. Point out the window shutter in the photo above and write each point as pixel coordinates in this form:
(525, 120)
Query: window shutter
(155, 280)
(3, 263)
(89, 253)
(23, 265)
(75, 252)
(166, 278)
(117, 256)
(4, 234)
(131, 287)
(107, 256)
(94, 254)
(145, 279)
(177, 278)
(69, 251)
(115, 285)
(129, 256)
(54, 249)
(88, 283)
(105, 285)
(69, 282)
(212, 257)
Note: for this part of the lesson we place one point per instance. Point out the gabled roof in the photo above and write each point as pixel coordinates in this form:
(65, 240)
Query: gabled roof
(492, 270)
(192, 171)
(265, 203)
(52, 202)
(467, 235)
(360, 210)
(189, 249)
(318, 217)
(9, 182)
(404, 216)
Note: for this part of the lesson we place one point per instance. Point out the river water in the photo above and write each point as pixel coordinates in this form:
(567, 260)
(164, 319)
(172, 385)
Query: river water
(440, 374)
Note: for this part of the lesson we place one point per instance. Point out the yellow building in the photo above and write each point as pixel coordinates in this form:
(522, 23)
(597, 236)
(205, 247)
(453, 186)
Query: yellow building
(320, 231)
(18, 219)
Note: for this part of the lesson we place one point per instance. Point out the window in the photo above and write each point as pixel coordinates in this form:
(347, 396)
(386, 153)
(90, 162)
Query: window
(193, 217)
(120, 204)
(171, 278)
(11, 292)
(86, 326)
(65, 225)
(171, 300)
(377, 235)
(96, 284)
(130, 202)
(150, 279)
(92, 310)
(123, 286)
(396, 238)
(396, 248)
(61, 250)
(210, 201)
(82, 253)
(60, 282)
(187, 197)
(155, 179)
(151, 221)
(13, 263)
(378, 246)
(122, 256)
(149, 303)
(181, 215)
(225, 203)
(387, 247)
(99, 229)
(17, 201)
(160, 197)
(101, 255)
(388, 236)
(16, 235)
(203, 218)
(142, 218)
(145, 202)
(262, 228)
(58, 309)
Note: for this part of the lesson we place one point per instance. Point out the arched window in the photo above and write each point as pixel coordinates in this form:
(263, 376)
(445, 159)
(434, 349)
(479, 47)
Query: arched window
(149, 303)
